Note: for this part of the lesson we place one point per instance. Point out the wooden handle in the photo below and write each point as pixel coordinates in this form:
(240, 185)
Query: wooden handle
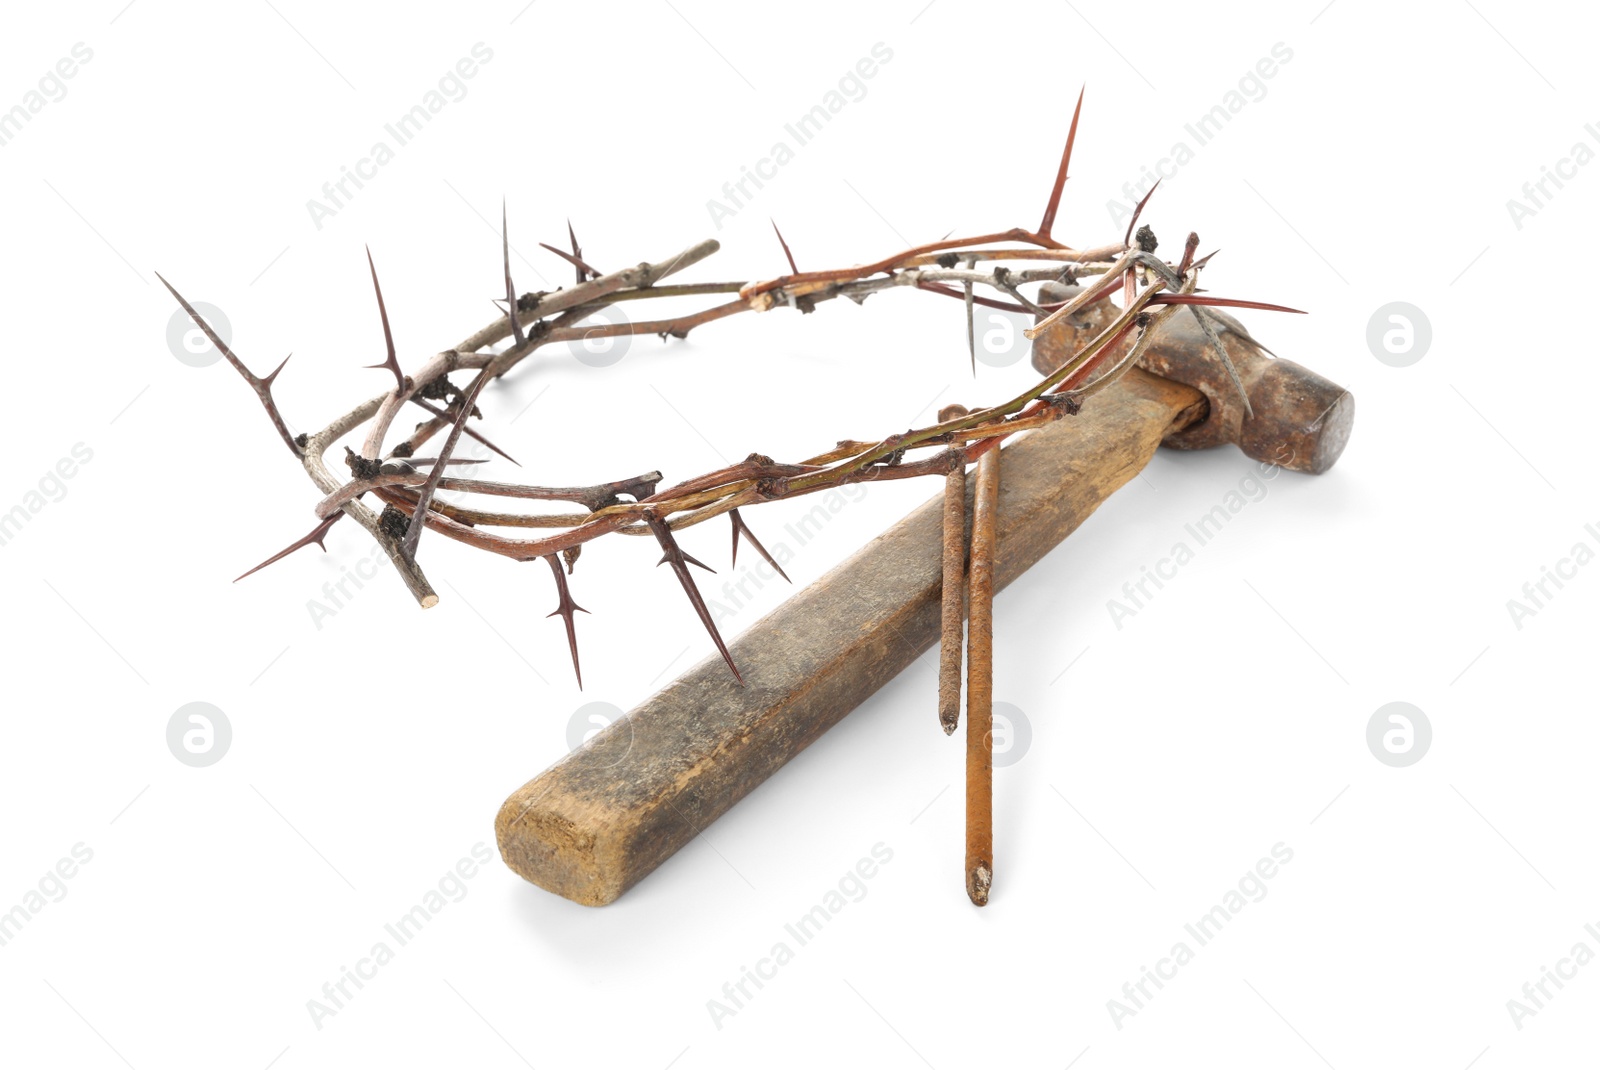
(600, 819)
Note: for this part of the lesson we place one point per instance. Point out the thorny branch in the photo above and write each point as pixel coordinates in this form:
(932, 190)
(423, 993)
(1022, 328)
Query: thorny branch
(1150, 290)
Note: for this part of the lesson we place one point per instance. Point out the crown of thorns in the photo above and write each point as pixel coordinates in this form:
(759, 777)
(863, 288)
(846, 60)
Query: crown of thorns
(1151, 290)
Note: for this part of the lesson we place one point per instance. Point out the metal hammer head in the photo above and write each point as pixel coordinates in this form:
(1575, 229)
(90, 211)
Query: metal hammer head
(1298, 419)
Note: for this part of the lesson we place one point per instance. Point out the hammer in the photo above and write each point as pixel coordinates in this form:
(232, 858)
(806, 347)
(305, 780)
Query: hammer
(602, 818)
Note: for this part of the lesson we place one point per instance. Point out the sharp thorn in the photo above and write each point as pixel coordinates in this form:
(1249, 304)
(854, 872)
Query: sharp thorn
(470, 433)
(564, 608)
(1238, 331)
(511, 292)
(677, 558)
(575, 261)
(268, 380)
(388, 337)
(1061, 172)
(317, 535)
(786, 253)
(577, 250)
(262, 387)
(1137, 209)
(972, 345)
(1207, 300)
(1216, 344)
(741, 528)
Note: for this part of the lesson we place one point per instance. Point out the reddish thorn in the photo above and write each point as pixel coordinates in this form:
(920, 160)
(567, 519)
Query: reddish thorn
(575, 261)
(1219, 302)
(671, 554)
(577, 251)
(388, 337)
(740, 527)
(1061, 172)
(469, 432)
(972, 343)
(987, 302)
(268, 380)
(511, 292)
(564, 608)
(1138, 209)
(262, 387)
(318, 533)
(787, 254)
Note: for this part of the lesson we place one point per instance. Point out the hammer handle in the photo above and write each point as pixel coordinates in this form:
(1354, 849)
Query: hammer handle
(600, 819)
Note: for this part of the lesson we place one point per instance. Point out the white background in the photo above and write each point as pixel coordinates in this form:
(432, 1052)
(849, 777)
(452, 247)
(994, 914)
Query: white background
(370, 754)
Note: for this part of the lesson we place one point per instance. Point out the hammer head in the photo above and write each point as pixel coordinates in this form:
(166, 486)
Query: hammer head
(1298, 419)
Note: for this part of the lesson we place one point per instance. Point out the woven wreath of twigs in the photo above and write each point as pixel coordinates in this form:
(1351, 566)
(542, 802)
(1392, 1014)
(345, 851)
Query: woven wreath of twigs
(1151, 290)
